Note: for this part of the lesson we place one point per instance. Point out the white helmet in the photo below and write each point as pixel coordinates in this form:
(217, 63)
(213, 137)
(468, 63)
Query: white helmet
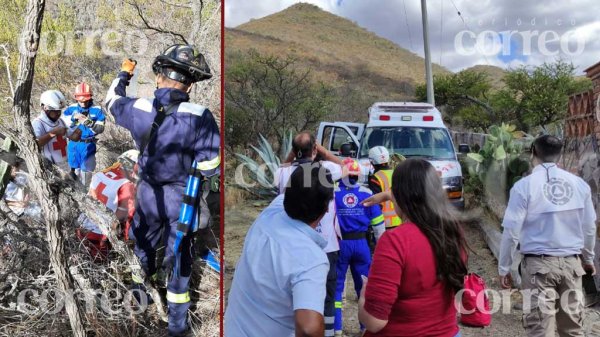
(53, 99)
(130, 156)
(128, 160)
(379, 155)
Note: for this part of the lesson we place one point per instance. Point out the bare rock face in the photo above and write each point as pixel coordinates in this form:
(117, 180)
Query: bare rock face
(581, 157)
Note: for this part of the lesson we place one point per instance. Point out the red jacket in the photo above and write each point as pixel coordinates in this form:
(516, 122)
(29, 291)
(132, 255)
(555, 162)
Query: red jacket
(404, 290)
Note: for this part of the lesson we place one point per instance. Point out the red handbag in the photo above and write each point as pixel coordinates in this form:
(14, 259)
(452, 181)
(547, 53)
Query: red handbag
(475, 310)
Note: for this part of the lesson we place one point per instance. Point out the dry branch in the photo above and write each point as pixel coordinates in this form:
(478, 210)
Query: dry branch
(151, 27)
(40, 186)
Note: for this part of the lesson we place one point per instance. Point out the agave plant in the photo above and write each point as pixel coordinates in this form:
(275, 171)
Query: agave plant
(262, 174)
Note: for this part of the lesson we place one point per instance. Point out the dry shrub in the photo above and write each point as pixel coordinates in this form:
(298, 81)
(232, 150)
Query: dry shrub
(234, 196)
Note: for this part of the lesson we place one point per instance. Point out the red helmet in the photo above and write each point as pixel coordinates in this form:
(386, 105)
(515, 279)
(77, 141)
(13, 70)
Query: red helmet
(83, 92)
(352, 166)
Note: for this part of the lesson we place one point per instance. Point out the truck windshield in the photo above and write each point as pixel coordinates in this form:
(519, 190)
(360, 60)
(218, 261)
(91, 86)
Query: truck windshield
(409, 141)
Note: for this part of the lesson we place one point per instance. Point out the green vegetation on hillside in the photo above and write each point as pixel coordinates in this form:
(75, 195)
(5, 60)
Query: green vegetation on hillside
(529, 97)
(270, 96)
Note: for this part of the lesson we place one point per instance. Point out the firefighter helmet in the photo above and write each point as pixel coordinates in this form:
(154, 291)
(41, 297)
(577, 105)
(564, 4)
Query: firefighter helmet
(183, 64)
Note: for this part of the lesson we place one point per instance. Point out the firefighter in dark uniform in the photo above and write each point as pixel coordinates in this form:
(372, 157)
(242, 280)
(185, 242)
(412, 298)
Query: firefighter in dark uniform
(179, 151)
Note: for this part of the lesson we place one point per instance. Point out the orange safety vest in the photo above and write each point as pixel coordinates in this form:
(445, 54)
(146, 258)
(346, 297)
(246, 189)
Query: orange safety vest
(391, 219)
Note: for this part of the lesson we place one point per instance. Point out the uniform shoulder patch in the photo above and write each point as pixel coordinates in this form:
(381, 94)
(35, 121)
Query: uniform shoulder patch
(144, 104)
(194, 109)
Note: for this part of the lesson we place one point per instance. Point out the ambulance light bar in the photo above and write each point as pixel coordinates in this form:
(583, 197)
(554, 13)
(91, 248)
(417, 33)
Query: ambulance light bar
(427, 118)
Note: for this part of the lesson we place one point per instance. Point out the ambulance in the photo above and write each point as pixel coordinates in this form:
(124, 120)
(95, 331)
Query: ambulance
(414, 130)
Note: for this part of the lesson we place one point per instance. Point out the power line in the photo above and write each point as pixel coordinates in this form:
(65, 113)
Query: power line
(407, 25)
(467, 26)
(458, 12)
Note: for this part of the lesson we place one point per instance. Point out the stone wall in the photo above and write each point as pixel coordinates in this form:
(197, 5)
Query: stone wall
(582, 135)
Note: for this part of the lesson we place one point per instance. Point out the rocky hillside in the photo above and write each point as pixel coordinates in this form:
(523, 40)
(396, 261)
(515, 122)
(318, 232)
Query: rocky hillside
(339, 51)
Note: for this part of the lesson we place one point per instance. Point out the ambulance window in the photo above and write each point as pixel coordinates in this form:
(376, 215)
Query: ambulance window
(431, 143)
(354, 129)
(327, 136)
(340, 136)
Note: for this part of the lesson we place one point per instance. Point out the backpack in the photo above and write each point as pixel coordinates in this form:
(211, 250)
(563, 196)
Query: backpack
(475, 309)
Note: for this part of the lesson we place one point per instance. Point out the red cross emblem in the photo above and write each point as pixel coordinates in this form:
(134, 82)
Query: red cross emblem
(100, 193)
(60, 144)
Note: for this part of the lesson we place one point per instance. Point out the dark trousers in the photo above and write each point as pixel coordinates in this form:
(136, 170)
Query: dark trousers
(329, 311)
(155, 225)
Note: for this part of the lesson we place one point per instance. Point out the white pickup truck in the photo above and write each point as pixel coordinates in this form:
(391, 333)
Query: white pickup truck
(414, 130)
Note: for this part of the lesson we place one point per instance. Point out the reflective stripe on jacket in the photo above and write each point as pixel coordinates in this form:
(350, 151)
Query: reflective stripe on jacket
(391, 219)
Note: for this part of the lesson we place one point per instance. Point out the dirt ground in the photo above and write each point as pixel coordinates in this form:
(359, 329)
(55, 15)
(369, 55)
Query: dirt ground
(240, 217)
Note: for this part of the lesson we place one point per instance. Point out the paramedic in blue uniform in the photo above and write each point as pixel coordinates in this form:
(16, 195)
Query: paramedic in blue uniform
(354, 220)
(183, 134)
(89, 118)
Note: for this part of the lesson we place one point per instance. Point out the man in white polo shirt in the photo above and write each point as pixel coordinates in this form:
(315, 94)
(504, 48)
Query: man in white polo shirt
(306, 150)
(278, 287)
(550, 213)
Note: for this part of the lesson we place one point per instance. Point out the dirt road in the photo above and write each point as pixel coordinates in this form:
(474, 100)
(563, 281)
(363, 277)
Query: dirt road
(505, 322)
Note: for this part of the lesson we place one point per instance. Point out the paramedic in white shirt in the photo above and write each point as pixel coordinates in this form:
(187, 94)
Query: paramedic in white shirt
(551, 215)
(305, 149)
(50, 130)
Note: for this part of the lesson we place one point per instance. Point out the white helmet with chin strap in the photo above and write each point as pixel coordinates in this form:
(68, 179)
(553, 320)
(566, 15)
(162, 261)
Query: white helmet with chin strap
(53, 100)
(379, 155)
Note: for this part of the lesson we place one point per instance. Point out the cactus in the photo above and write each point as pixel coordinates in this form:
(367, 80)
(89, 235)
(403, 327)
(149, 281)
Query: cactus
(498, 165)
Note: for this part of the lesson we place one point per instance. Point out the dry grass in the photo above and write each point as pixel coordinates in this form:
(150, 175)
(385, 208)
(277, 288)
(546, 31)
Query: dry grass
(319, 36)
(234, 196)
(25, 265)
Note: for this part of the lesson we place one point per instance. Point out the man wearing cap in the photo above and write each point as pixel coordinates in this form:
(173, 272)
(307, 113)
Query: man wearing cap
(178, 143)
(551, 215)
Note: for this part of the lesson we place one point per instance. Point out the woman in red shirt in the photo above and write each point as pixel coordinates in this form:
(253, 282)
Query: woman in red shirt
(418, 267)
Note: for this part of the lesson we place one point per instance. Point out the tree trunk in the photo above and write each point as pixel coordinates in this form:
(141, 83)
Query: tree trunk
(41, 183)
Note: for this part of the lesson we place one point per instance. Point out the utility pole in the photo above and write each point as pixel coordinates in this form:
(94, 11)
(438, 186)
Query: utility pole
(428, 72)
